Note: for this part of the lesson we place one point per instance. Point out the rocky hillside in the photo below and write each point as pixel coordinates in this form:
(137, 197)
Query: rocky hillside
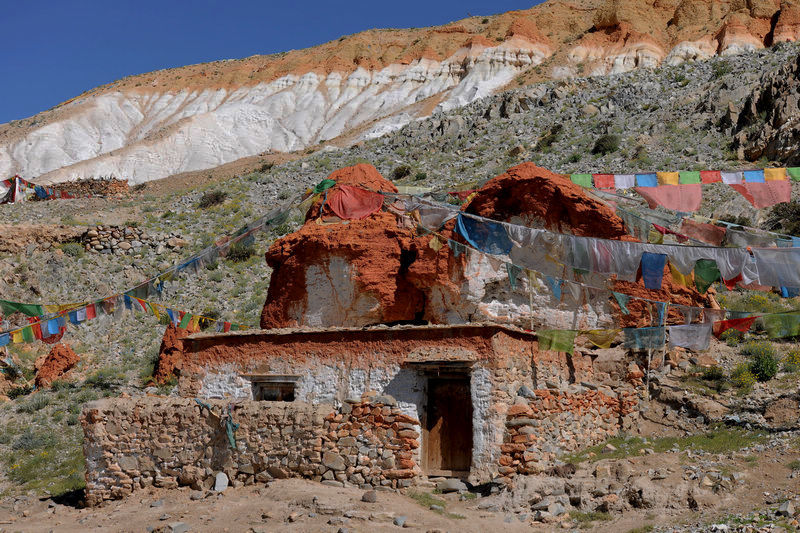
(361, 86)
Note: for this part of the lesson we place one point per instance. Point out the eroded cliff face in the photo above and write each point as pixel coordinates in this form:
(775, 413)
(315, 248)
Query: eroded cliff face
(196, 117)
(382, 270)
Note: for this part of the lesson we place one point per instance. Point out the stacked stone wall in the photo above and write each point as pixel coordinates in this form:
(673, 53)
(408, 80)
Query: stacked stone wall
(552, 423)
(170, 442)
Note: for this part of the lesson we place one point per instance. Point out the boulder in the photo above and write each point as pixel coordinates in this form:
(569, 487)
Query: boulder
(54, 365)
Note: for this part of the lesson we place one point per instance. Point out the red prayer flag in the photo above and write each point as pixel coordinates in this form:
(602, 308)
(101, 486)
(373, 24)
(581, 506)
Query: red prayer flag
(710, 176)
(766, 194)
(352, 203)
(683, 198)
(604, 181)
(740, 324)
(707, 233)
(90, 312)
(226, 327)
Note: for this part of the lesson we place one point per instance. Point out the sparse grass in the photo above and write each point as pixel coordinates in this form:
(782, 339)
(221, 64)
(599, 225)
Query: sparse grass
(719, 440)
(794, 465)
(585, 519)
(73, 249)
(426, 499)
(642, 529)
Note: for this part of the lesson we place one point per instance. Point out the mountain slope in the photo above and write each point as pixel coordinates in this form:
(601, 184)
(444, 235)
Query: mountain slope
(161, 123)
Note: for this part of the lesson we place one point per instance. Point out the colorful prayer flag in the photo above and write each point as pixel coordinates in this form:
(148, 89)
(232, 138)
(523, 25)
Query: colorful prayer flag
(584, 180)
(710, 176)
(754, 176)
(559, 340)
(668, 178)
(775, 174)
(27, 334)
(646, 180)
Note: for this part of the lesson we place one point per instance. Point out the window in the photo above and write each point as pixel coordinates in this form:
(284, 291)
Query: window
(273, 388)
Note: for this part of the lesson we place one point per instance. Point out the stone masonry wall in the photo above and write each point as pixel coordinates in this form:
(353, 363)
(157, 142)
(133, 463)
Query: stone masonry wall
(167, 442)
(554, 422)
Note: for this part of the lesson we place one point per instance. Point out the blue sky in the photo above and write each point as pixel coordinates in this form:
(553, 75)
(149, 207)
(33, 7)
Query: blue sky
(53, 50)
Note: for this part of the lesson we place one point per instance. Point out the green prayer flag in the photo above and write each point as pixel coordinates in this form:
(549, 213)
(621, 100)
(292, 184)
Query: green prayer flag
(185, 321)
(560, 340)
(794, 173)
(513, 273)
(323, 186)
(705, 273)
(584, 180)
(27, 334)
(622, 300)
(25, 309)
(688, 177)
(782, 325)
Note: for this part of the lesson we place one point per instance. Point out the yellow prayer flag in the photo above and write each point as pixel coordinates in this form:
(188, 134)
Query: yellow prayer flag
(679, 278)
(654, 236)
(16, 337)
(435, 244)
(668, 178)
(774, 174)
(602, 338)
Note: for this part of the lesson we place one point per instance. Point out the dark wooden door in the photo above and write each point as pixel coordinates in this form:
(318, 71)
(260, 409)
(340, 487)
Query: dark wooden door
(448, 427)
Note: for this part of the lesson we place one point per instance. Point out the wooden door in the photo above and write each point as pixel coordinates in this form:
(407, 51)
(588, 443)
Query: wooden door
(448, 427)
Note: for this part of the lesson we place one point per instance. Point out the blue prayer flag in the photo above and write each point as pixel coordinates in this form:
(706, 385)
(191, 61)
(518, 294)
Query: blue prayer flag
(53, 327)
(488, 237)
(646, 180)
(622, 300)
(754, 176)
(653, 270)
(4, 339)
(128, 303)
(73, 317)
(644, 338)
(555, 286)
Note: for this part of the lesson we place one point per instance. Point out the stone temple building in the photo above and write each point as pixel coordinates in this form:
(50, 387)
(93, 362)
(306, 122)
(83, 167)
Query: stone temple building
(384, 358)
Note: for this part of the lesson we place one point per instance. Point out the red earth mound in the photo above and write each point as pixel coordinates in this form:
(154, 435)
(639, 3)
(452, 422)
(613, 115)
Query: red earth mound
(54, 365)
(380, 271)
(170, 355)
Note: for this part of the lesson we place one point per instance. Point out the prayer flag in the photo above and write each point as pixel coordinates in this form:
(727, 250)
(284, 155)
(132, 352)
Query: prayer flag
(487, 236)
(559, 340)
(16, 336)
(689, 177)
(668, 178)
(754, 176)
(644, 338)
(584, 180)
(646, 180)
(353, 203)
(705, 273)
(91, 312)
(765, 194)
(602, 338)
(731, 178)
(710, 176)
(653, 270)
(194, 324)
(513, 273)
(677, 277)
(226, 327)
(16, 307)
(775, 174)
(81, 314)
(323, 186)
(27, 334)
(695, 337)
(683, 198)
(622, 300)
(739, 324)
(52, 327)
(73, 317)
(707, 233)
(624, 181)
(782, 325)
(171, 316)
(37, 330)
(794, 173)
(604, 181)
(128, 303)
(185, 321)
(4, 339)
(435, 244)
(661, 311)
(555, 286)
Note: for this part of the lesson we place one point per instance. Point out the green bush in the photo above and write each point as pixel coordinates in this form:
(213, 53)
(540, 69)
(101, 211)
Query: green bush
(240, 251)
(791, 361)
(757, 349)
(764, 367)
(732, 337)
(420, 176)
(713, 373)
(606, 144)
(16, 392)
(742, 378)
(720, 68)
(211, 198)
(401, 172)
(73, 249)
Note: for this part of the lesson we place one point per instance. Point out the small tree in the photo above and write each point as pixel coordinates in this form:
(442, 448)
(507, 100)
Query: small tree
(606, 144)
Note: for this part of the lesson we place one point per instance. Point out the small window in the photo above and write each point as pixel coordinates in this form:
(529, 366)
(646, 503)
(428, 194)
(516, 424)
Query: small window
(273, 388)
(273, 392)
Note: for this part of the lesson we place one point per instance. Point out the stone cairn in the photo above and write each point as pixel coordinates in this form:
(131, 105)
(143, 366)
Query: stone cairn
(128, 241)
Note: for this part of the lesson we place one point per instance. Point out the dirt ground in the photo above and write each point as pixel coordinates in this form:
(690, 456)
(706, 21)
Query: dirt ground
(305, 506)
